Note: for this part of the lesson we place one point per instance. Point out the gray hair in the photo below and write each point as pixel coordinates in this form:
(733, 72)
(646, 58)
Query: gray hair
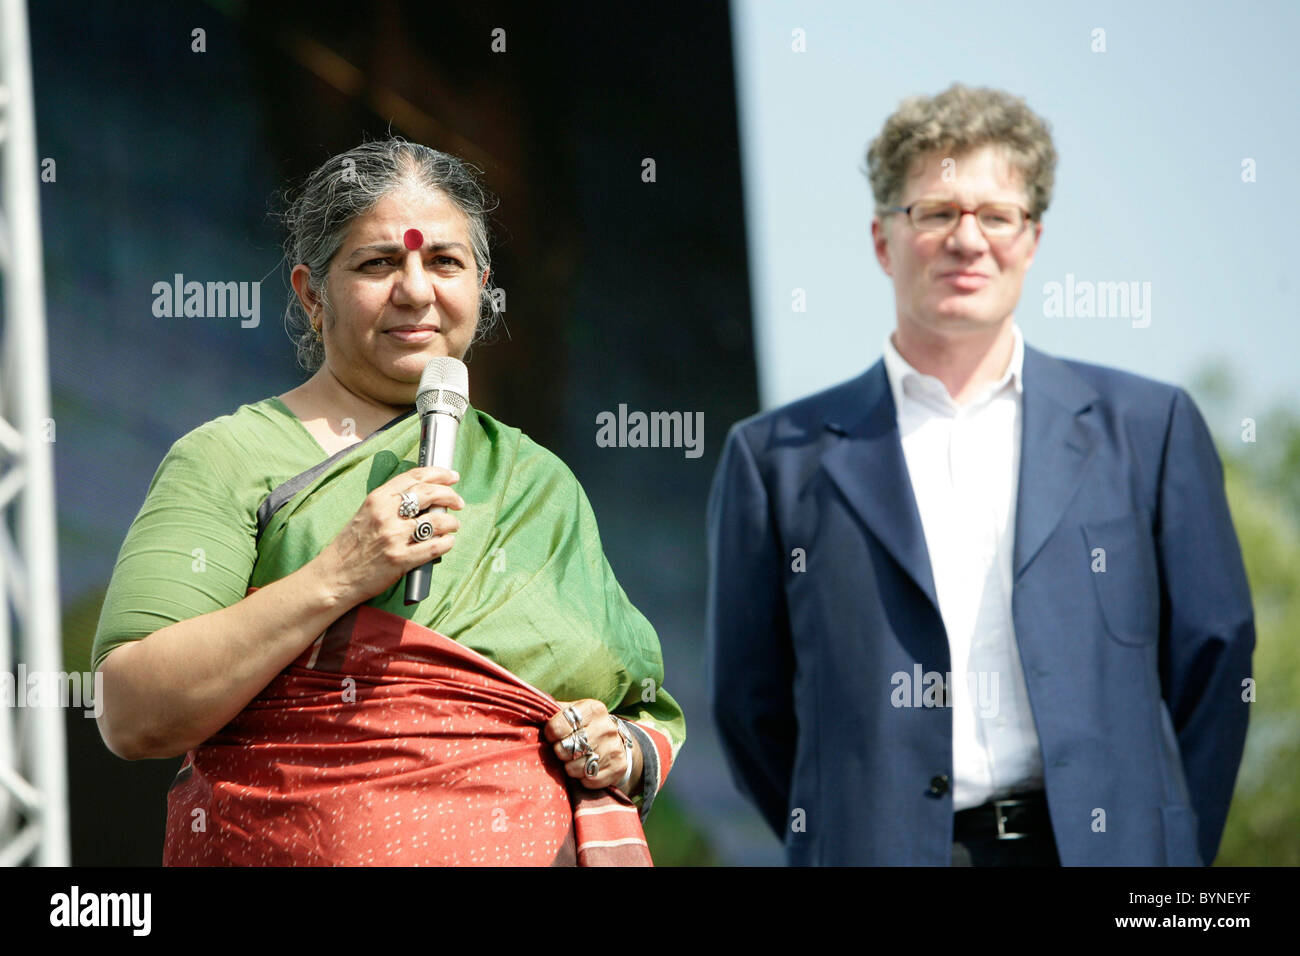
(349, 185)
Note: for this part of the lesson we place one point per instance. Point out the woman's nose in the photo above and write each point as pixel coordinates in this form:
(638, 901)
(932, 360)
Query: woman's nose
(414, 287)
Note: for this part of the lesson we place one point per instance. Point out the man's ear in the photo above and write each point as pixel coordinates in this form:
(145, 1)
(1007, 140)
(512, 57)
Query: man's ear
(1033, 250)
(880, 240)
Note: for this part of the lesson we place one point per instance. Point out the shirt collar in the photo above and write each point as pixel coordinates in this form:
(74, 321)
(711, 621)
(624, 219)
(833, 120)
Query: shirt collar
(900, 370)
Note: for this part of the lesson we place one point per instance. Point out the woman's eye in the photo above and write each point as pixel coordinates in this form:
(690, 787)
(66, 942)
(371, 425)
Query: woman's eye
(442, 262)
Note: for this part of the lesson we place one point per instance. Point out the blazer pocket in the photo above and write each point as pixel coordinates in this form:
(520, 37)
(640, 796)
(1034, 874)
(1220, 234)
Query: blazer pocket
(1128, 590)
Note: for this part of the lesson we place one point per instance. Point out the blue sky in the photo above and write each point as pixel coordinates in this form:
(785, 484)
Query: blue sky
(1151, 136)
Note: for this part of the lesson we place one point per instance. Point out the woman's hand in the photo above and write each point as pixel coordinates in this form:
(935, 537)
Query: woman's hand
(170, 691)
(379, 545)
(604, 743)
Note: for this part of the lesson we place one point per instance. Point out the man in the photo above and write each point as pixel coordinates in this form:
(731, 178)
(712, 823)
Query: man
(979, 605)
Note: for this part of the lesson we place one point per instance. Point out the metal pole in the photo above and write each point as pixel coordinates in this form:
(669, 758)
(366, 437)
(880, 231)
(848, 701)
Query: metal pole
(32, 586)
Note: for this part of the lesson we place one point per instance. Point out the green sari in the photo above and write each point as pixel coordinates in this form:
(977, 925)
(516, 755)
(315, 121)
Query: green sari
(527, 584)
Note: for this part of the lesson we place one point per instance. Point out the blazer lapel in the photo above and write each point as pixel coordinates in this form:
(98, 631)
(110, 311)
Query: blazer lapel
(1056, 443)
(868, 467)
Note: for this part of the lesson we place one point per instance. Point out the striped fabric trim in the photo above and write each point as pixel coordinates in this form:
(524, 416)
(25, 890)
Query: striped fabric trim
(608, 830)
(285, 491)
(593, 811)
(657, 759)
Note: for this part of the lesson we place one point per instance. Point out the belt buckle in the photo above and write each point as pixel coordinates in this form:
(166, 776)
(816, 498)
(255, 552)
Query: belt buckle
(1002, 821)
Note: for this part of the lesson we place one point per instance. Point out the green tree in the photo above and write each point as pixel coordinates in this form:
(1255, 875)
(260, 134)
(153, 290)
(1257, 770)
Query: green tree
(1263, 826)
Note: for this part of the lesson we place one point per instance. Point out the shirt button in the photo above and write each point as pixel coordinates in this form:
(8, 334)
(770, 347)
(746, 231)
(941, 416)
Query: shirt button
(938, 785)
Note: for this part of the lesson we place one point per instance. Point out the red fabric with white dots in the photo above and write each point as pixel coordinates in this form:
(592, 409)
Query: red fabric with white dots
(386, 743)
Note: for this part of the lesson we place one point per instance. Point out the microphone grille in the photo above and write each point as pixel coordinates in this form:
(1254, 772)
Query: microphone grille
(444, 383)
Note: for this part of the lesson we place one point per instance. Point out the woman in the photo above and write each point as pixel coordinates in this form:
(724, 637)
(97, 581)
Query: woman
(256, 623)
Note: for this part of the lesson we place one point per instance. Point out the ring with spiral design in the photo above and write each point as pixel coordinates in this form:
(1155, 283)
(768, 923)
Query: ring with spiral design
(423, 531)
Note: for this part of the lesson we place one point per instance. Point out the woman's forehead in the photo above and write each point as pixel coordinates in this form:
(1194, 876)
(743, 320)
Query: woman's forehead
(427, 211)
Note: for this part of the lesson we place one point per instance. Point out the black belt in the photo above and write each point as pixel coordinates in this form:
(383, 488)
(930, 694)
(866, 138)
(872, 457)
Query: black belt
(1013, 818)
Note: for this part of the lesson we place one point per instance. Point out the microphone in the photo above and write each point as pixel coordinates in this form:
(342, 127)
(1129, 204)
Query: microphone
(441, 400)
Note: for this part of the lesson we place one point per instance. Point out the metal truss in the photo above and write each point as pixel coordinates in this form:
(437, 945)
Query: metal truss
(33, 773)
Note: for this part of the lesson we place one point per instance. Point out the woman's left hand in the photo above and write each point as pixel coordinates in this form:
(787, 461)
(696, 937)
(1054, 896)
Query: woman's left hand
(602, 737)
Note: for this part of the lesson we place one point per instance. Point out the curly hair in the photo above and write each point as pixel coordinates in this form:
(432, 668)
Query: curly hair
(956, 121)
(349, 185)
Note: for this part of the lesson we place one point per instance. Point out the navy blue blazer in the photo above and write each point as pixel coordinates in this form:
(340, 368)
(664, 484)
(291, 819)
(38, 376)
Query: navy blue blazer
(1135, 674)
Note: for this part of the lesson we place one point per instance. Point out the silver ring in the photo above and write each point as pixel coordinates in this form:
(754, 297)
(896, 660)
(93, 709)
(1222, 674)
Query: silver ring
(578, 744)
(423, 531)
(593, 766)
(573, 717)
(410, 506)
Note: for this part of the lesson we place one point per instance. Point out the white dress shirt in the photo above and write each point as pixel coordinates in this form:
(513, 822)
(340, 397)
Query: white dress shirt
(964, 463)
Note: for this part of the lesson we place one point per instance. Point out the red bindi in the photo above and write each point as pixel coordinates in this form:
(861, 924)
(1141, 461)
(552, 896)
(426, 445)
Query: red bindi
(413, 239)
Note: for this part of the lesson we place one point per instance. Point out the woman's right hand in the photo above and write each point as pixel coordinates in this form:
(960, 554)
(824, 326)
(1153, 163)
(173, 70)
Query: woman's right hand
(168, 692)
(377, 546)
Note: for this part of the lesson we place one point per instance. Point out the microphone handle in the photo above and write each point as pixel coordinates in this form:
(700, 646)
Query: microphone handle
(437, 441)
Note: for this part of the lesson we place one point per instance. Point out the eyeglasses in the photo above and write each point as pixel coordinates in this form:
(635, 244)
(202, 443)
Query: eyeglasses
(997, 220)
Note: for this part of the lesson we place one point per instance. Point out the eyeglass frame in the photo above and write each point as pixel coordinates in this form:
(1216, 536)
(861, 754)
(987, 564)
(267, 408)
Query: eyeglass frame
(907, 211)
